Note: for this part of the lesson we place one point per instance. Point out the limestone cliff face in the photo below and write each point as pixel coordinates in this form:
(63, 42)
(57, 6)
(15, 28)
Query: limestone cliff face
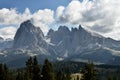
(75, 44)
(28, 36)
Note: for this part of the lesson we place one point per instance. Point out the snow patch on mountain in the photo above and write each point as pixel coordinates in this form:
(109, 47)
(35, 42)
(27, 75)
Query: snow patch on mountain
(114, 52)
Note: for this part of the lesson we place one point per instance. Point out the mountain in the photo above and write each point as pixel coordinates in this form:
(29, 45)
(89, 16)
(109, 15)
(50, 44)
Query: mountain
(28, 36)
(77, 44)
(29, 40)
(1, 39)
(82, 44)
(5, 43)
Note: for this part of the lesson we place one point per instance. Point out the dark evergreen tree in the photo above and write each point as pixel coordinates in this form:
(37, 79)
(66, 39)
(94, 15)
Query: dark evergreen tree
(36, 69)
(29, 69)
(68, 74)
(4, 72)
(20, 76)
(89, 73)
(115, 77)
(112, 77)
(1, 72)
(60, 75)
(78, 77)
(47, 71)
(109, 78)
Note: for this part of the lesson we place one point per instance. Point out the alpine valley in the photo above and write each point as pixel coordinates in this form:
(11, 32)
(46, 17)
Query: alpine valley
(77, 44)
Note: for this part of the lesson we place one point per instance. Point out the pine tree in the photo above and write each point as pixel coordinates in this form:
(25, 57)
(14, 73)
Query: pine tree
(115, 77)
(1, 72)
(20, 75)
(36, 69)
(61, 75)
(29, 69)
(109, 78)
(47, 71)
(68, 74)
(4, 72)
(78, 78)
(89, 72)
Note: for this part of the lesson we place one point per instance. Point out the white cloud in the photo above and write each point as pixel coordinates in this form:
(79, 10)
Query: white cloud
(8, 16)
(8, 32)
(73, 13)
(13, 17)
(41, 18)
(59, 13)
(100, 16)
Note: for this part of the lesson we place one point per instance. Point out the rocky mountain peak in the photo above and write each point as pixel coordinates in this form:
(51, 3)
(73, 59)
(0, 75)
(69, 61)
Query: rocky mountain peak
(80, 27)
(28, 35)
(1, 39)
(51, 31)
(79, 43)
(74, 29)
(27, 24)
(63, 29)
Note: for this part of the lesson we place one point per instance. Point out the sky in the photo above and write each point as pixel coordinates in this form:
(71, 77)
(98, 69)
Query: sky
(33, 5)
(100, 16)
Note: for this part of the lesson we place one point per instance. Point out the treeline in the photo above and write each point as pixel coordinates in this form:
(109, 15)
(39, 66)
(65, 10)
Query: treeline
(35, 71)
(103, 71)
